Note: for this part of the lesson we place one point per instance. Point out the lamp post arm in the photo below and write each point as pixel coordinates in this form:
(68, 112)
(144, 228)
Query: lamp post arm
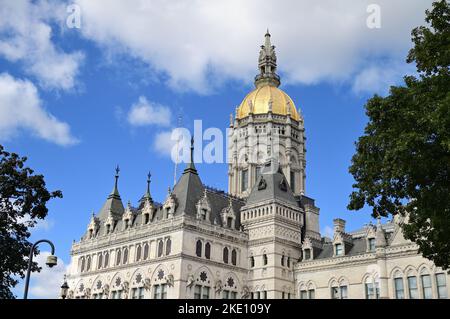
(30, 262)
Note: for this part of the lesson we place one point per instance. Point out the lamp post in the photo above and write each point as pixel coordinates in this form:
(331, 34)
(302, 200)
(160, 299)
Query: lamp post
(51, 261)
(64, 288)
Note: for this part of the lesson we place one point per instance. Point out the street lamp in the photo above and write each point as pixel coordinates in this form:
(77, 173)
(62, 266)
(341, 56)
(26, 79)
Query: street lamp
(64, 288)
(51, 261)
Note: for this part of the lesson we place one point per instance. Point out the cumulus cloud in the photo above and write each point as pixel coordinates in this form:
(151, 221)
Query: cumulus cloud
(144, 113)
(197, 45)
(21, 109)
(46, 284)
(26, 37)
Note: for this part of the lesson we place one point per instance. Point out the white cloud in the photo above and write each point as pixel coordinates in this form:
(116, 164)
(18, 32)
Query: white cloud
(26, 37)
(196, 45)
(21, 109)
(378, 78)
(144, 113)
(46, 284)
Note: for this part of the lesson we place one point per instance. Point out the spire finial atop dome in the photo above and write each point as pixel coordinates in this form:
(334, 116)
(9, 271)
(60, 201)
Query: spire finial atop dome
(267, 64)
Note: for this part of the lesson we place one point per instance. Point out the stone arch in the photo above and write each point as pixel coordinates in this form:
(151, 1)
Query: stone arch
(424, 269)
(343, 281)
(114, 284)
(157, 275)
(79, 288)
(209, 279)
(410, 271)
(396, 272)
(226, 283)
(137, 283)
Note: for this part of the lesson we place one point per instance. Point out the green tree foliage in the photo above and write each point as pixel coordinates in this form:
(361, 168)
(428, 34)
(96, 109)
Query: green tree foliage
(23, 200)
(402, 162)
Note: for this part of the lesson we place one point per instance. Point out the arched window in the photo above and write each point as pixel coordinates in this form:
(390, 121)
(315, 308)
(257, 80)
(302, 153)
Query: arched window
(99, 260)
(289, 262)
(225, 255)
(168, 246)
(145, 251)
(118, 258)
(265, 259)
(138, 252)
(208, 251)
(82, 264)
(252, 261)
(234, 257)
(282, 260)
(88, 263)
(125, 256)
(106, 262)
(160, 248)
(198, 248)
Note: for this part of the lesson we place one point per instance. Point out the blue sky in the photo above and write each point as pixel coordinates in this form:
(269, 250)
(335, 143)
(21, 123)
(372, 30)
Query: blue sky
(67, 95)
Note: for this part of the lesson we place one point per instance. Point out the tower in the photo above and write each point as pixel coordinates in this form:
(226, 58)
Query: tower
(267, 121)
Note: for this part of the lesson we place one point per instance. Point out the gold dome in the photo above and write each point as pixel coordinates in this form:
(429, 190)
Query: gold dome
(260, 98)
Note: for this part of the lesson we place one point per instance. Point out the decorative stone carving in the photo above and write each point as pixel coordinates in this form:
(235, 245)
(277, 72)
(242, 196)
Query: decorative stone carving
(218, 286)
(227, 213)
(245, 293)
(170, 205)
(170, 280)
(125, 287)
(262, 184)
(147, 284)
(190, 281)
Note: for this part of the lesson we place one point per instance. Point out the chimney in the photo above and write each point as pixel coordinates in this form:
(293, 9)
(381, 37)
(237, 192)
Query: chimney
(339, 225)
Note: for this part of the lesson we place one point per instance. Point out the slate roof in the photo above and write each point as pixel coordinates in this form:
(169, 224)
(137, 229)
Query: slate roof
(272, 189)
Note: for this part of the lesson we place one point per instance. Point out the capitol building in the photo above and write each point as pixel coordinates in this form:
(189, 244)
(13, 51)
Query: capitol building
(259, 240)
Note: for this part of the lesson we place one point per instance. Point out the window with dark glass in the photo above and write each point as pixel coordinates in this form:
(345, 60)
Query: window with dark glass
(125, 256)
(244, 180)
(138, 253)
(118, 257)
(225, 255)
(146, 251)
(160, 291)
(282, 260)
(311, 294)
(147, 218)
(234, 257)
(198, 248)
(207, 250)
(307, 254)
(106, 262)
(99, 260)
(303, 294)
(88, 263)
(265, 259)
(160, 248)
(252, 261)
(371, 244)
(339, 250)
(168, 246)
(201, 292)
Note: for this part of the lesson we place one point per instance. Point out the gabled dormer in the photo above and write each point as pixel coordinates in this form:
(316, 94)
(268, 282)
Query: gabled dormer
(311, 248)
(342, 242)
(203, 208)
(93, 227)
(170, 205)
(228, 216)
(370, 238)
(128, 217)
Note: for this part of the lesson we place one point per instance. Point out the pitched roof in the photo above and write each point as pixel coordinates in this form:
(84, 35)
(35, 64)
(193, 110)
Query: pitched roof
(272, 185)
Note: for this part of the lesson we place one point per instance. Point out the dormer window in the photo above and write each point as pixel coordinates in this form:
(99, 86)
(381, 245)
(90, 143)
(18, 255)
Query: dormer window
(338, 250)
(108, 228)
(146, 218)
(371, 244)
(307, 254)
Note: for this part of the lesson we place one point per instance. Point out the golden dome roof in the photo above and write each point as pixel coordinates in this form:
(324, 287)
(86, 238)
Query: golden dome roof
(260, 98)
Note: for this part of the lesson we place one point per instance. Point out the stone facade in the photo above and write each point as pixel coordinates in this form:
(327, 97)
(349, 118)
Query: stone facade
(260, 240)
